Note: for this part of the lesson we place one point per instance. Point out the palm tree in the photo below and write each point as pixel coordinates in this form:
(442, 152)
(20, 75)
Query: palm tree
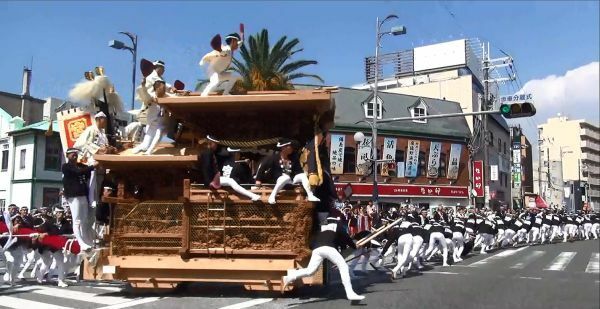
(269, 68)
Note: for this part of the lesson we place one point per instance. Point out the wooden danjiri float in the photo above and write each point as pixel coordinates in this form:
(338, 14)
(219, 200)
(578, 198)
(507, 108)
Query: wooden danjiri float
(165, 229)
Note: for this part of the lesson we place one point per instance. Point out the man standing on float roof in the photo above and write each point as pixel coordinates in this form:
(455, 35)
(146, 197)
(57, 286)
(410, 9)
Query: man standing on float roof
(93, 141)
(219, 60)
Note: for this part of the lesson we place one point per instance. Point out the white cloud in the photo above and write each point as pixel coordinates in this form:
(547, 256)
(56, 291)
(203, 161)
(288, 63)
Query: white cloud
(574, 94)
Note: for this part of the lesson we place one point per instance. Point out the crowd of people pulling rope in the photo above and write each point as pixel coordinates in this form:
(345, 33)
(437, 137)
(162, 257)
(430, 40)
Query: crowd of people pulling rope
(413, 236)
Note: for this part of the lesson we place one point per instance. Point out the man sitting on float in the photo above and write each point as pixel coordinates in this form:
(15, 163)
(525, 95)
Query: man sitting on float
(284, 167)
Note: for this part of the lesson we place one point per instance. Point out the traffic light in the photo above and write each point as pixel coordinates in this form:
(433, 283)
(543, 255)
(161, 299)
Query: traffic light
(517, 110)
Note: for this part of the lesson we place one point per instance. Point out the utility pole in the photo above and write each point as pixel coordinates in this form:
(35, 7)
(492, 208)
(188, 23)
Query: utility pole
(488, 65)
(484, 104)
(540, 141)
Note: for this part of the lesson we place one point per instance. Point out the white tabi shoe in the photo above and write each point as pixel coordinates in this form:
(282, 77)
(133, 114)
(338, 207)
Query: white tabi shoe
(272, 201)
(255, 198)
(355, 296)
(62, 284)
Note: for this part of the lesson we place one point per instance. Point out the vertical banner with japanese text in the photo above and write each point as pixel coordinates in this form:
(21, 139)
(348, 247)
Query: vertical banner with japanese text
(337, 153)
(434, 159)
(389, 153)
(363, 155)
(454, 161)
(478, 178)
(412, 158)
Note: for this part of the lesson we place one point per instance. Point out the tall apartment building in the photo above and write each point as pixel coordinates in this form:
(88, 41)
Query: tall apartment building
(576, 144)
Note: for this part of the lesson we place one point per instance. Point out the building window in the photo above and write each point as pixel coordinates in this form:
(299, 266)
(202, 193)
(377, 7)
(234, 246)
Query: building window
(505, 148)
(368, 106)
(491, 140)
(419, 111)
(349, 160)
(50, 197)
(4, 160)
(442, 169)
(22, 159)
(499, 144)
(53, 154)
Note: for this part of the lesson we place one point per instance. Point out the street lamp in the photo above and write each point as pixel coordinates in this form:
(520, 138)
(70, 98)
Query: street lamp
(120, 45)
(398, 30)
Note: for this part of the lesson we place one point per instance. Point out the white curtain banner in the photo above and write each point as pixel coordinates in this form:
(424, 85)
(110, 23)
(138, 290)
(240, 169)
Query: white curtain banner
(338, 142)
(412, 158)
(363, 154)
(434, 159)
(454, 161)
(389, 153)
(400, 169)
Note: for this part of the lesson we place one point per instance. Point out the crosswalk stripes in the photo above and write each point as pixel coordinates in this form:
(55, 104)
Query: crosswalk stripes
(498, 256)
(25, 296)
(528, 259)
(19, 303)
(561, 261)
(558, 263)
(594, 264)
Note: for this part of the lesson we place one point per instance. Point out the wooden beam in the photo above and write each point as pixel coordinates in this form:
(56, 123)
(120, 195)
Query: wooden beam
(215, 264)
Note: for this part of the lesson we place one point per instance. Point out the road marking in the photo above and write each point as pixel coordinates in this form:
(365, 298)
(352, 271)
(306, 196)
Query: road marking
(561, 261)
(106, 288)
(528, 259)
(498, 256)
(594, 264)
(533, 278)
(250, 303)
(19, 303)
(441, 272)
(73, 295)
(133, 303)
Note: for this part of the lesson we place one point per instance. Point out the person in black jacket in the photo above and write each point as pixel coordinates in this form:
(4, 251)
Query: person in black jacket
(284, 167)
(332, 236)
(209, 169)
(75, 183)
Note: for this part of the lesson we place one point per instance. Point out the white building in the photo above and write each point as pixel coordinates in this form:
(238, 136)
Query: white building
(30, 161)
(575, 144)
(34, 166)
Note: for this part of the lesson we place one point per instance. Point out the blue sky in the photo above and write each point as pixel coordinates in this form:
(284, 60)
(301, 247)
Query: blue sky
(67, 38)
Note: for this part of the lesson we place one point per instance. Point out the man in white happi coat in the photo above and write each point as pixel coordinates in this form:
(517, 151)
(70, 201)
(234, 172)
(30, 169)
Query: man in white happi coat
(218, 61)
(156, 117)
(93, 141)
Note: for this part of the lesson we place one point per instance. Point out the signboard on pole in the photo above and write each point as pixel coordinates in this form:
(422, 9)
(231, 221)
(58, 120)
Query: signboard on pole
(478, 178)
(494, 172)
(454, 162)
(513, 98)
(434, 159)
(412, 158)
(337, 153)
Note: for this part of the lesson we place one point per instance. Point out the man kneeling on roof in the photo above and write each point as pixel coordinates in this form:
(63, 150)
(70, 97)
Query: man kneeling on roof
(284, 167)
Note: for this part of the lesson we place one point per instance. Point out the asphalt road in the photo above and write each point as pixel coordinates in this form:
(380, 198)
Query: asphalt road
(563, 275)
